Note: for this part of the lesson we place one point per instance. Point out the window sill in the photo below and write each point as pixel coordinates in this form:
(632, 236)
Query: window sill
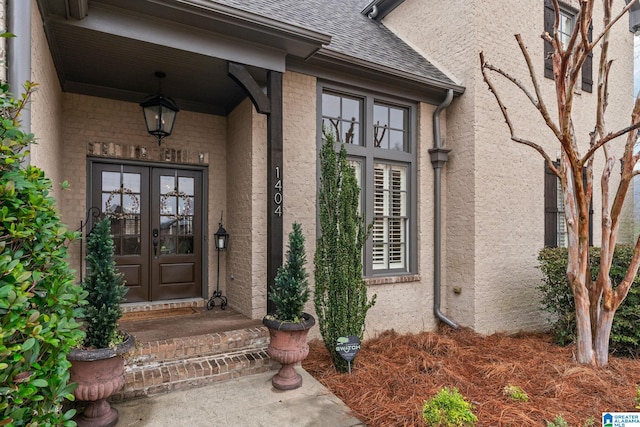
(392, 279)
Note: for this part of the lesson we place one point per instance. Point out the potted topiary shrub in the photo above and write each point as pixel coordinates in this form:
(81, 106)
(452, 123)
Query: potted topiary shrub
(98, 366)
(289, 325)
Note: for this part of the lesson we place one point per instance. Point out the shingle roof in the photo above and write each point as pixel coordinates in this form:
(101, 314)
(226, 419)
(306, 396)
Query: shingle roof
(352, 33)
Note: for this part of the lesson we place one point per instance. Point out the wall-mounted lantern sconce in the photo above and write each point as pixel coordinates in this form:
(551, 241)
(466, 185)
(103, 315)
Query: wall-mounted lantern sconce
(159, 112)
(221, 239)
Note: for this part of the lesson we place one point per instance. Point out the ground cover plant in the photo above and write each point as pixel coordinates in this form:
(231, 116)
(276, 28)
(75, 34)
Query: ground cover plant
(395, 374)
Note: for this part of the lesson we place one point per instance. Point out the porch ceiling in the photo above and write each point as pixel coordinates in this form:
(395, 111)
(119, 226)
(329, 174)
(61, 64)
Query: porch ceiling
(114, 50)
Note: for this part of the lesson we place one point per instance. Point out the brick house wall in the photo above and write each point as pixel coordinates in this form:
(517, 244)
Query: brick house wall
(91, 124)
(491, 186)
(495, 188)
(46, 105)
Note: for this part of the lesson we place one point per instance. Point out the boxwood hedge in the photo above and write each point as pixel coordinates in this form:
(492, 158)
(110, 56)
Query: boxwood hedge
(557, 299)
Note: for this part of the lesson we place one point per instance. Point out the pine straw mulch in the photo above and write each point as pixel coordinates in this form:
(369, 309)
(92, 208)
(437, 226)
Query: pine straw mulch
(393, 374)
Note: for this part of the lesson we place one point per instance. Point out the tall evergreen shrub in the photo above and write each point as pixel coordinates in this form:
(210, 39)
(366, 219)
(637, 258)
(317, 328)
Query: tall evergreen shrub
(340, 297)
(38, 298)
(105, 287)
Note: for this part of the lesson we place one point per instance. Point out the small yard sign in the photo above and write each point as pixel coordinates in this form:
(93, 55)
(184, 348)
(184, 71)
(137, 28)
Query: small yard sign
(347, 348)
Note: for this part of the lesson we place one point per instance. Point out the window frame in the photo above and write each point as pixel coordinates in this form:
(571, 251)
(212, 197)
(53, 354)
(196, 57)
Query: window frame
(586, 81)
(368, 155)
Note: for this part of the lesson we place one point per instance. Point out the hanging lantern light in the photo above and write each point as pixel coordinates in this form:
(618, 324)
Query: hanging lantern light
(159, 112)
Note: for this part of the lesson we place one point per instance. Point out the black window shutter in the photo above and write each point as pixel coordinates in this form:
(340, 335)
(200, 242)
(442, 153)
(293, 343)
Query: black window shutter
(549, 20)
(550, 207)
(587, 67)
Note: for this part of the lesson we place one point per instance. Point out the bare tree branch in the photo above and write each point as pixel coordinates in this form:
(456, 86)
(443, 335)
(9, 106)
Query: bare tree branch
(539, 102)
(611, 23)
(483, 67)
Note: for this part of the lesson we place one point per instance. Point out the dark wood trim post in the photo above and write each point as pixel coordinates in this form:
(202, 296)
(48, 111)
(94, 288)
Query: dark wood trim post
(274, 181)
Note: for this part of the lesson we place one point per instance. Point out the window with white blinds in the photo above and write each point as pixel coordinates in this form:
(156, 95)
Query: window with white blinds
(378, 135)
(390, 216)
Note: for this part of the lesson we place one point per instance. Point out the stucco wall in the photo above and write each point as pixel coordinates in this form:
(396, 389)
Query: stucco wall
(46, 106)
(89, 120)
(495, 215)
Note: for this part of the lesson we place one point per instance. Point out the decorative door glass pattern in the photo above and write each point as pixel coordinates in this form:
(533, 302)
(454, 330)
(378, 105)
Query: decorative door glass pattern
(121, 203)
(177, 201)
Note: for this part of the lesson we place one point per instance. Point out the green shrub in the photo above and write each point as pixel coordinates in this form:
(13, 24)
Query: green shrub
(557, 298)
(340, 297)
(105, 287)
(516, 393)
(560, 422)
(448, 408)
(38, 299)
(557, 422)
(291, 290)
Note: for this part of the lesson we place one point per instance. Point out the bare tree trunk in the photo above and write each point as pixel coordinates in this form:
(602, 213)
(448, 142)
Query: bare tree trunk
(596, 301)
(584, 353)
(603, 333)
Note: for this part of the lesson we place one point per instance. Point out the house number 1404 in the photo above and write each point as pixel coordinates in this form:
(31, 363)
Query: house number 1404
(277, 197)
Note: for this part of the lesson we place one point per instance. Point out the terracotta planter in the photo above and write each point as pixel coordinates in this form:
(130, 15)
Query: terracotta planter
(288, 346)
(99, 374)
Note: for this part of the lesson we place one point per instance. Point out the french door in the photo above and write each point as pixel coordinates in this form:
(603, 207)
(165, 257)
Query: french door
(156, 222)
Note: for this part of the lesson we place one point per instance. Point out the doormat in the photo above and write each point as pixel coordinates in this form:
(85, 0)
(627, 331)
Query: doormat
(159, 314)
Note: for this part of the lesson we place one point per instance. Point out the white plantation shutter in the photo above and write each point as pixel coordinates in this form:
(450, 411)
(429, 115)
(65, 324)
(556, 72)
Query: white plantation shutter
(390, 217)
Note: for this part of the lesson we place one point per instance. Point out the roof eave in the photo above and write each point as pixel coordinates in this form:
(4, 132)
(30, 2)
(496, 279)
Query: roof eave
(350, 61)
(302, 41)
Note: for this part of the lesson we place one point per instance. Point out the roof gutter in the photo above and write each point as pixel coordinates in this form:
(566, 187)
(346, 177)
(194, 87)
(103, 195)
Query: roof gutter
(439, 157)
(19, 53)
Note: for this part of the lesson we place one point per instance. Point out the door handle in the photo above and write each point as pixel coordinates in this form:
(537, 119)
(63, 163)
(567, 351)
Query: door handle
(155, 243)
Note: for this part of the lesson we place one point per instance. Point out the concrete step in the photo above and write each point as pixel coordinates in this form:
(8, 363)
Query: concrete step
(179, 363)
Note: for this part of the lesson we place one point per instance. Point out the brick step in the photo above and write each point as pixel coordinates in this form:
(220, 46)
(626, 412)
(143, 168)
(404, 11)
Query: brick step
(162, 377)
(178, 363)
(201, 345)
